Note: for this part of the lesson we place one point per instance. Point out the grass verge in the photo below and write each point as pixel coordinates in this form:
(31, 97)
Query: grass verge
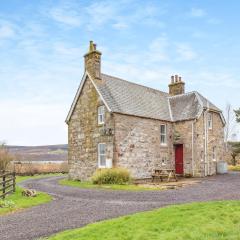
(16, 201)
(197, 221)
(234, 168)
(127, 187)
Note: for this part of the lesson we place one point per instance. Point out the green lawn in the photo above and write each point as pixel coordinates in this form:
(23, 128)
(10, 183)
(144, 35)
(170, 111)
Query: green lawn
(197, 221)
(16, 201)
(128, 187)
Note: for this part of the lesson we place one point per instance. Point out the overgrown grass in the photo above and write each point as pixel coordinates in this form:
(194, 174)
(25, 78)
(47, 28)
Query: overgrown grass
(16, 201)
(234, 168)
(128, 187)
(111, 176)
(197, 221)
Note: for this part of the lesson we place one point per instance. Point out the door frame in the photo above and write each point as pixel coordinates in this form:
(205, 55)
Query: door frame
(175, 147)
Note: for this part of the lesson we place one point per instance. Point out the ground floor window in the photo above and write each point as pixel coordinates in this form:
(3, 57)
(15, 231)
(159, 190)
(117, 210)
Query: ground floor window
(163, 134)
(102, 155)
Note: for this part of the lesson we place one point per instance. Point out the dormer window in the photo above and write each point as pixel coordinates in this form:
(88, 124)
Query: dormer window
(210, 123)
(101, 115)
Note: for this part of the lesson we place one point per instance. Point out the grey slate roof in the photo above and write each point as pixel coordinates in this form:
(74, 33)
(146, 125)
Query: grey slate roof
(185, 106)
(207, 104)
(133, 99)
(129, 98)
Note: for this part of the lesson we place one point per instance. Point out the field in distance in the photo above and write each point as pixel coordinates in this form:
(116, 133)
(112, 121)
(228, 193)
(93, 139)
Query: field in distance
(48, 153)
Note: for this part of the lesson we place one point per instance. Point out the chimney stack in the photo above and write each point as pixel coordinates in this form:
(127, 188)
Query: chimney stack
(177, 86)
(92, 61)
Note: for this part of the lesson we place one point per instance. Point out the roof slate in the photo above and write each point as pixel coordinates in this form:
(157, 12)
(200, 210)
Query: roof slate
(133, 99)
(185, 106)
(129, 98)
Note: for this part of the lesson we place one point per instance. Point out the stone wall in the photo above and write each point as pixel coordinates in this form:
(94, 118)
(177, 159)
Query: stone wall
(192, 137)
(84, 134)
(184, 130)
(135, 142)
(215, 139)
(137, 145)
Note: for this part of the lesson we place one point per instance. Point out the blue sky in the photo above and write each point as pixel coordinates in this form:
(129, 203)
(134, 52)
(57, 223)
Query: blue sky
(42, 44)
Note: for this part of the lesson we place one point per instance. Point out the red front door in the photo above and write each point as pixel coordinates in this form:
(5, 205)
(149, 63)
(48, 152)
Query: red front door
(179, 158)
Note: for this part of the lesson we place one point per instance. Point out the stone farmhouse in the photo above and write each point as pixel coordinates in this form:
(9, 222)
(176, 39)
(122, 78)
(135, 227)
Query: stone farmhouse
(116, 123)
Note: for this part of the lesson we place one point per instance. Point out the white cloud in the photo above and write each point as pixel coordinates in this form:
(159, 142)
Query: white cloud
(214, 21)
(120, 25)
(98, 14)
(6, 31)
(197, 12)
(159, 49)
(185, 52)
(67, 14)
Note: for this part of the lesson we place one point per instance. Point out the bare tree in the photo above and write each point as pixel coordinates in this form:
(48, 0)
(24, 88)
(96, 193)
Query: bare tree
(230, 124)
(237, 113)
(235, 151)
(5, 157)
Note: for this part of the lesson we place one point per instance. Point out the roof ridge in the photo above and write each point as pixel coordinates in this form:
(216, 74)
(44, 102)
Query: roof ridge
(208, 101)
(183, 94)
(140, 85)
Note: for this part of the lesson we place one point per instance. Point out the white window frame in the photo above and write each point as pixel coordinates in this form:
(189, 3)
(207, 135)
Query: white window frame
(101, 114)
(214, 154)
(163, 135)
(210, 120)
(99, 155)
(202, 156)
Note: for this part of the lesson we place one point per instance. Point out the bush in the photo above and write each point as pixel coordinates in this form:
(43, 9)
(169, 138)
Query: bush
(234, 168)
(5, 157)
(111, 176)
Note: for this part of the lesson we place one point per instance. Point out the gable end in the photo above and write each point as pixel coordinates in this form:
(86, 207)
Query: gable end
(84, 78)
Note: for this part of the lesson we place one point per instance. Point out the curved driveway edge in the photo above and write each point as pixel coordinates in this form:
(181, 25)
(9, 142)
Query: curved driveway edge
(75, 207)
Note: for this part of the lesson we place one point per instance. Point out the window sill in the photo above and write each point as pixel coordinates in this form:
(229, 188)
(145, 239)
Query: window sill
(163, 145)
(102, 167)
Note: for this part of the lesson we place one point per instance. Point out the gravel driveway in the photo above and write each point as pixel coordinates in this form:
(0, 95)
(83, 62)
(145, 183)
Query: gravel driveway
(75, 207)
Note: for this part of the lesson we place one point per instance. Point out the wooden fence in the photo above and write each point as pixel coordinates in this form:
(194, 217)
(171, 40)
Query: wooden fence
(7, 183)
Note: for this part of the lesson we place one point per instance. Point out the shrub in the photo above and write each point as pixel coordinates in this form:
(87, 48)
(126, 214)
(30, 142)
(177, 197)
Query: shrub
(111, 176)
(5, 157)
(234, 168)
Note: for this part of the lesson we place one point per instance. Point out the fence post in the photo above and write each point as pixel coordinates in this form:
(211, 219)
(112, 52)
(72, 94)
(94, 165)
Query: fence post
(4, 185)
(14, 181)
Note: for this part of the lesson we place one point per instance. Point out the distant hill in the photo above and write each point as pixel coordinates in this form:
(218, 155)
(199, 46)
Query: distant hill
(40, 153)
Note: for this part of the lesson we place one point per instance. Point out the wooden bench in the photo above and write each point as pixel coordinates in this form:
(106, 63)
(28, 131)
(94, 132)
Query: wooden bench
(164, 173)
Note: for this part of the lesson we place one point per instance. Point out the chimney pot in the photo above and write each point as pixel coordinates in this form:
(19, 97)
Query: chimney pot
(91, 46)
(93, 61)
(176, 78)
(177, 86)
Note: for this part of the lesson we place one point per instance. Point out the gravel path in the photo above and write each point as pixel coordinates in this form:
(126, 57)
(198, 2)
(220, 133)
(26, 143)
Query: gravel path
(75, 207)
